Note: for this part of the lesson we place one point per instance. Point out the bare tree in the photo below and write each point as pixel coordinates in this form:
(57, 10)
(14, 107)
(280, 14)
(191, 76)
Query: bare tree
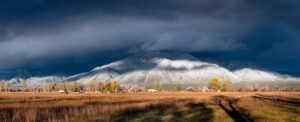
(252, 86)
(92, 86)
(99, 86)
(276, 88)
(81, 86)
(46, 87)
(266, 88)
(7, 86)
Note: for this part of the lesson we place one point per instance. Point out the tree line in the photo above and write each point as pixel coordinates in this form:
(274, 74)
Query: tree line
(97, 86)
(94, 86)
(73, 86)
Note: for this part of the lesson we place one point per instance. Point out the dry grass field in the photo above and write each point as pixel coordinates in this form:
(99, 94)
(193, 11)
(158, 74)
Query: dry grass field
(160, 106)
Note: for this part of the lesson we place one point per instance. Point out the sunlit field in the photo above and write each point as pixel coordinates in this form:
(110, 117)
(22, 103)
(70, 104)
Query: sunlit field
(159, 106)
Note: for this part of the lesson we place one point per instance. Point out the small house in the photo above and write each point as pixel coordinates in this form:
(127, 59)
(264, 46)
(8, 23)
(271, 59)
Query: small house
(190, 89)
(61, 91)
(152, 90)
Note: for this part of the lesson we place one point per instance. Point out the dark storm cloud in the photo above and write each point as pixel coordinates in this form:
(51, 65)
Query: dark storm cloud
(43, 33)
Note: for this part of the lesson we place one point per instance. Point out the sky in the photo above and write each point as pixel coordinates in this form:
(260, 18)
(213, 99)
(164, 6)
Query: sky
(72, 36)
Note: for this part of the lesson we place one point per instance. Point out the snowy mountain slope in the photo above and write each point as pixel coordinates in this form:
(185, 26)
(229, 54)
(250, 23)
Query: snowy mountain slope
(39, 81)
(249, 74)
(36, 81)
(165, 67)
(169, 69)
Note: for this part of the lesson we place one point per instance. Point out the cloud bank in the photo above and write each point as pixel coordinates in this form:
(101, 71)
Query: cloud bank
(43, 33)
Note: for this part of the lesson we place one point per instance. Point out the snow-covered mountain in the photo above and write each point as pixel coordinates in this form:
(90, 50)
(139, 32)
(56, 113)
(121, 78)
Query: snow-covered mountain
(164, 67)
(172, 68)
(37, 81)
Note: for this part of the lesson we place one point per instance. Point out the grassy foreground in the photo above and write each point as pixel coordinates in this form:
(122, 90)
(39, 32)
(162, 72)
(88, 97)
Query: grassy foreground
(161, 106)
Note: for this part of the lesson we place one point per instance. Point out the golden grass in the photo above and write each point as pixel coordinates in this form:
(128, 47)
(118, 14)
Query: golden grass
(160, 106)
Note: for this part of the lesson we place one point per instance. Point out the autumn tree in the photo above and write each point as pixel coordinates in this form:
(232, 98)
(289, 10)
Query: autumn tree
(156, 84)
(53, 86)
(226, 86)
(113, 85)
(178, 87)
(159, 86)
(61, 86)
(24, 84)
(107, 85)
(214, 84)
(66, 87)
(1, 85)
(74, 85)
(162, 86)
(92, 85)
(7, 86)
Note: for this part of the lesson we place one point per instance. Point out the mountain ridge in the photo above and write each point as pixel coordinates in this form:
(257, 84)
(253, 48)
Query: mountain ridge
(185, 69)
(165, 67)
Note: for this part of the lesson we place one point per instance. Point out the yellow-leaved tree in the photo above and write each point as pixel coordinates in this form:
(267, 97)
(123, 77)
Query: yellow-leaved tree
(214, 84)
(66, 87)
(159, 86)
(113, 85)
(53, 87)
(24, 84)
(1, 85)
(156, 85)
(92, 85)
(107, 85)
(61, 86)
